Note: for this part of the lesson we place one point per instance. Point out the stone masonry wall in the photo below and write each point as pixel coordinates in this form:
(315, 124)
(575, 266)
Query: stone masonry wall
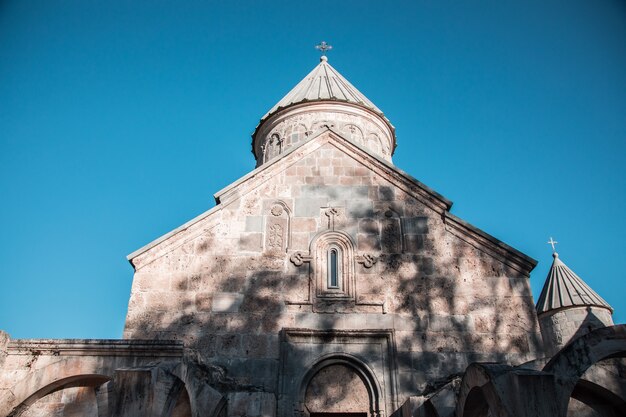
(228, 284)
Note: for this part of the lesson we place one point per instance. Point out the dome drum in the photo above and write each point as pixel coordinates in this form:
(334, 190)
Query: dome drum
(290, 127)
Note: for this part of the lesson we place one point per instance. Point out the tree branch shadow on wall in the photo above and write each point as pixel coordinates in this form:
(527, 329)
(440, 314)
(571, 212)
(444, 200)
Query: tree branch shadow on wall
(452, 316)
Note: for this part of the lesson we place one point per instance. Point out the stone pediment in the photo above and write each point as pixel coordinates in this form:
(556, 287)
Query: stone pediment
(212, 220)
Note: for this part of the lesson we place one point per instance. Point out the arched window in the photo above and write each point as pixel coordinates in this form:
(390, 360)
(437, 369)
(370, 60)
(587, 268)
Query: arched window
(334, 265)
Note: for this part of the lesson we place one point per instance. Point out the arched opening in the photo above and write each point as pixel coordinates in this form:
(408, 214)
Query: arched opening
(593, 400)
(337, 390)
(182, 406)
(340, 386)
(576, 358)
(75, 395)
(476, 404)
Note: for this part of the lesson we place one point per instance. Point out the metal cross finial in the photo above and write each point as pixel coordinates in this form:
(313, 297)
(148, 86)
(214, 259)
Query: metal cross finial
(552, 242)
(323, 47)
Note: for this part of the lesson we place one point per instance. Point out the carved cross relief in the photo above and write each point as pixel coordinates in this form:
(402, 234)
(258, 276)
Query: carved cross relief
(277, 225)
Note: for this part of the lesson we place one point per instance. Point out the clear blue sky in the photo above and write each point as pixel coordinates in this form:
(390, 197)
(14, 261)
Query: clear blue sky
(120, 119)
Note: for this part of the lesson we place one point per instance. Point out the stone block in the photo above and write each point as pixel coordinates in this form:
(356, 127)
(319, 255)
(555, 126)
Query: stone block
(309, 207)
(368, 242)
(414, 243)
(229, 345)
(251, 404)
(304, 224)
(386, 193)
(204, 301)
(416, 225)
(444, 323)
(251, 242)
(426, 266)
(254, 346)
(360, 192)
(369, 227)
(224, 302)
(359, 208)
(254, 224)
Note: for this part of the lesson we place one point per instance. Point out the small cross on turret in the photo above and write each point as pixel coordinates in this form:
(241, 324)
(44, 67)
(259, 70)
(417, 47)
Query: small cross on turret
(323, 47)
(552, 242)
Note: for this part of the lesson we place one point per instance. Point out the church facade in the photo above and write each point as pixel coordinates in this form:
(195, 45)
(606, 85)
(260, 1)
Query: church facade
(328, 282)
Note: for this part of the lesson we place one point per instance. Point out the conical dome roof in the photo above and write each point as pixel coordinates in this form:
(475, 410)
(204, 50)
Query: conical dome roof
(324, 83)
(324, 98)
(563, 288)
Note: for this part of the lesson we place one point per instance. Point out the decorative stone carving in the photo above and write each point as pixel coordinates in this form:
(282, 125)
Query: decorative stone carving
(298, 258)
(331, 213)
(277, 228)
(277, 210)
(275, 238)
(367, 260)
(391, 232)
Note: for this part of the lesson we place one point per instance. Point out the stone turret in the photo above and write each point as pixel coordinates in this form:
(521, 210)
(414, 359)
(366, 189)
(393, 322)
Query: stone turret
(324, 98)
(568, 308)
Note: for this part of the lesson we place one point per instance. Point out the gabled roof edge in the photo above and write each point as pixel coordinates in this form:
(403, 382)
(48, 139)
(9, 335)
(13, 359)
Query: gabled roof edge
(441, 199)
(166, 236)
(490, 244)
(454, 224)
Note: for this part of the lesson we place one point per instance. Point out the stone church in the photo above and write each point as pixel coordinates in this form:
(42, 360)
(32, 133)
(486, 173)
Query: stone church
(328, 282)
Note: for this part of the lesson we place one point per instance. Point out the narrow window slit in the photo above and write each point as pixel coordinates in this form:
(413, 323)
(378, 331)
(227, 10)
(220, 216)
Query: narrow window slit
(333, 280)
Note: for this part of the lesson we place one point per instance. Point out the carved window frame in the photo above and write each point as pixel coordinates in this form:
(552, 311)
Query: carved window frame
(321, 248)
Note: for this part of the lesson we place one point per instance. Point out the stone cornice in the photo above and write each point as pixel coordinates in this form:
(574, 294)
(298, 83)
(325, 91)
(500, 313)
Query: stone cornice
(96, 347)
(170, 240)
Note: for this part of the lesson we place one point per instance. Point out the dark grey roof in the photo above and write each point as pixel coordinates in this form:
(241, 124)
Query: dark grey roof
(563, 288)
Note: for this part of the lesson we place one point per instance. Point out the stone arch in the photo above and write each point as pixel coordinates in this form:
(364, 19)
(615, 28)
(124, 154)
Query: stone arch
(571, 362)
(592, 395)
(177, 402)
(272, 147)
(205, 401)
(43, 381)
(359, 370)
(477, 396)
(296, 134)
(319, 249)
(82, 380)
(374, 143)
(354, 132)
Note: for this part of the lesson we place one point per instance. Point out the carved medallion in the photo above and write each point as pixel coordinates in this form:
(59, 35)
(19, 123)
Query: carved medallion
(277, 210)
